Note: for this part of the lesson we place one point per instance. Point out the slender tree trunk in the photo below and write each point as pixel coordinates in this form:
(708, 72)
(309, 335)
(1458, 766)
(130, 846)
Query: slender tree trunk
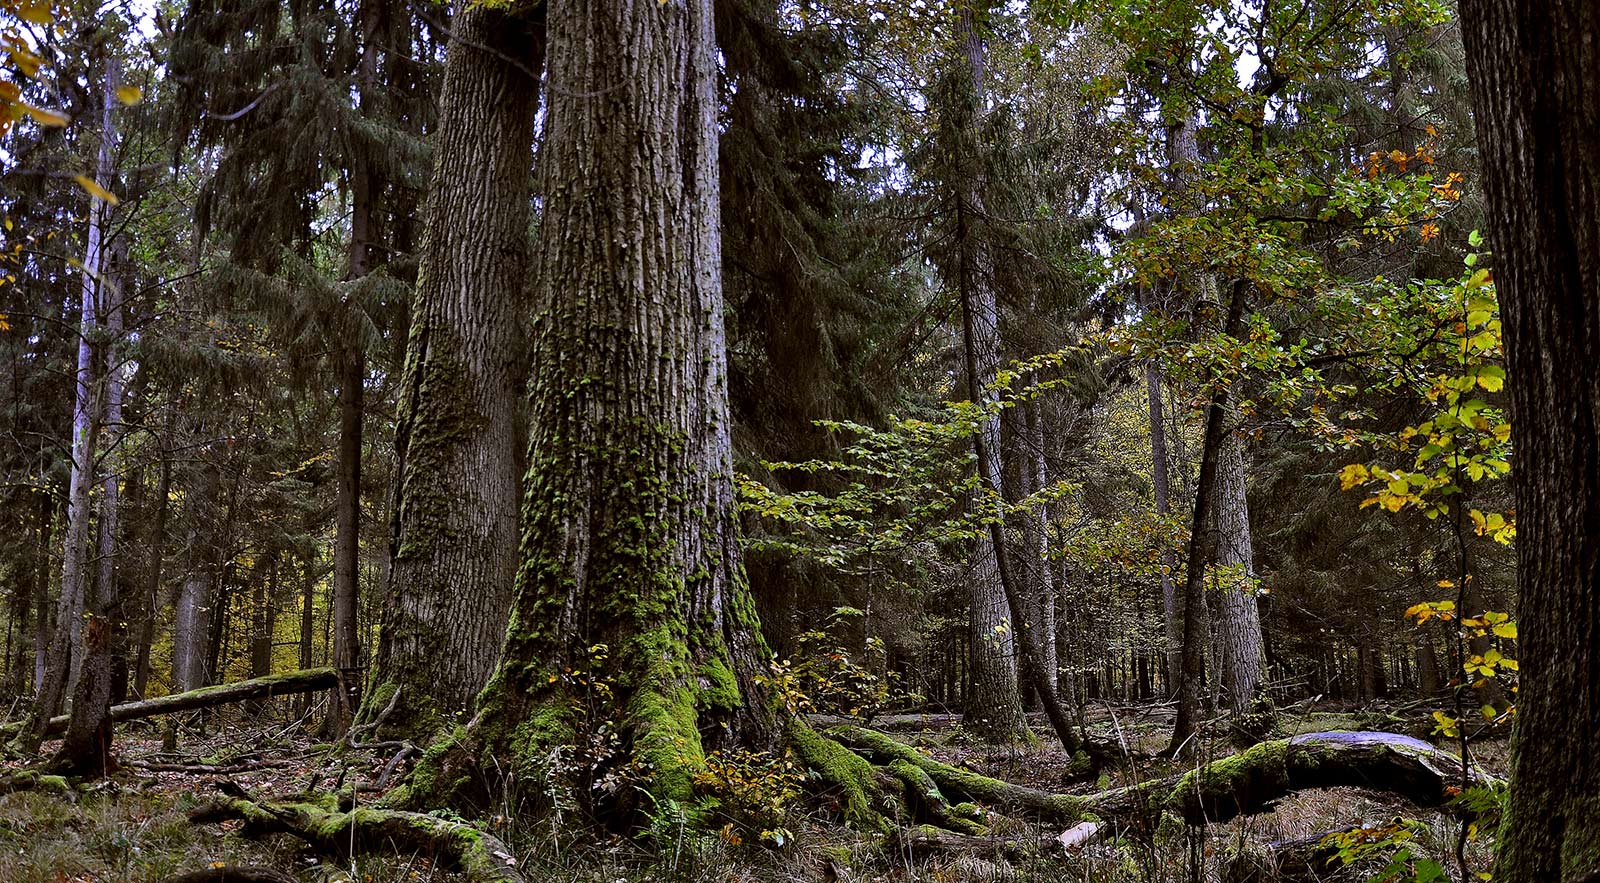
(152, 594)
(1172, 614)
(1237, 623)
(43, 624)
(994, 707)
(459, 451)
(193, 615)
(86, 747)
(1037, 530)
(629, 540)
(1535, 77)
(347, 543)
(1192, 673)
(67, 647)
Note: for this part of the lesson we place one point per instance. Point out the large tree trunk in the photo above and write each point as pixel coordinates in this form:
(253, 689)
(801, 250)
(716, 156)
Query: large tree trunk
(630, 564)
(1237, 623)
(1536, 92)
(458, 446)
(994, 704)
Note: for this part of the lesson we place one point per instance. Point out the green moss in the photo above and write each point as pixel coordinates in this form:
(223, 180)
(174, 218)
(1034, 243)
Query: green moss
(719, 689)
(841, 768)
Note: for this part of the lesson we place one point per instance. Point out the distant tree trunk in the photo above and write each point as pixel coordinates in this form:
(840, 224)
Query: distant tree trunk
(43, 623)
(152, 594)
(629, 540)
(1427, 665)
(1171, 612)
(347, 542)
(464, 387)
(308, 618)
(365, 187)
(1535, 77)
(265, 621)
(1237, 623)
(193, 619)
(1043, 590)
(994, 703)
(1194, 650)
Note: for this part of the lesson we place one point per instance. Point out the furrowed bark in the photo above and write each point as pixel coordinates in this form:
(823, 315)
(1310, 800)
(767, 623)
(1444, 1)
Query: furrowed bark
(1535, 77)
(464, 388)
(1237, 622)
(630, 565)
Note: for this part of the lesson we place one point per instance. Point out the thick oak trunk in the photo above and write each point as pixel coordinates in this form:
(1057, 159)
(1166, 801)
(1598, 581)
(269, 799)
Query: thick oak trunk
(462, 395)
(1535, 75)
(630, 565)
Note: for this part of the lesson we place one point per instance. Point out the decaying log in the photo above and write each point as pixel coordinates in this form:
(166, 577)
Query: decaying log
(1251, 781)
(308, 680)
(481, 857)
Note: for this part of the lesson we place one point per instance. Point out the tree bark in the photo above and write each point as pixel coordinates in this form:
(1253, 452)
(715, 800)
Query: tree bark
(192, 622)
(66, 651)
(86, 748)
(1171, 613)
(630, 564)
(1194, 649)
(1237, 623)
(1535, 77)
(346, 652)
(458, 448)
(994, 703)
(152, 602)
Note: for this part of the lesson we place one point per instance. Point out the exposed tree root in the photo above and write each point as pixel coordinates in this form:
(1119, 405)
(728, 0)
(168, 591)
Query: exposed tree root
(480, 856)
(1245, 783)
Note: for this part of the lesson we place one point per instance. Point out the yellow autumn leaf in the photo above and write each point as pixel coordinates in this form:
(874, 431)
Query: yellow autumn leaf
(130, 95)
(95, 189)
(45, 117)
(35, 11)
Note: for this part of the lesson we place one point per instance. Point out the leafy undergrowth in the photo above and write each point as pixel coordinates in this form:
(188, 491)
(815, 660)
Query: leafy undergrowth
(135, 828)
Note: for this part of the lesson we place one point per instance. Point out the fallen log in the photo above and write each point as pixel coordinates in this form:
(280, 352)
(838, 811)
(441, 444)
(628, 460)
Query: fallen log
(308, 680)
(481, 857)
(1251, 781)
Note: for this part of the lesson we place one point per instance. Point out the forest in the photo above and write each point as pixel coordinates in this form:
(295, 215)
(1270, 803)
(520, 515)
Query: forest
(850, 441)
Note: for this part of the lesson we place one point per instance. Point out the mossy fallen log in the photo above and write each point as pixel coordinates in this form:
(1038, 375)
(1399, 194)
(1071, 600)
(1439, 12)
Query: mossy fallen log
(1251, 781)
(481, 857)
(308, 680)
(33, 780)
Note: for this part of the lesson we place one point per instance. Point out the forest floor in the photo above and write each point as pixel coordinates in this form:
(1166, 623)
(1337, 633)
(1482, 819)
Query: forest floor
(135, 827)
